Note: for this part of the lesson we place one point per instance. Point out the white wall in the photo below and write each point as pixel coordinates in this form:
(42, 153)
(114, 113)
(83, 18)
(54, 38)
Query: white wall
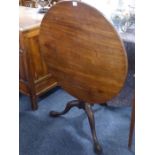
(108, 6)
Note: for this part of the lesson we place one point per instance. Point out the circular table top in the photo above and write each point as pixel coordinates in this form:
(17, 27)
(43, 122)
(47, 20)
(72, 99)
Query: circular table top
(83, 51)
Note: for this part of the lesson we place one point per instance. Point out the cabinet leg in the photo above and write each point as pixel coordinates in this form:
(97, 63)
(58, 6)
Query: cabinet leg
(34, 104)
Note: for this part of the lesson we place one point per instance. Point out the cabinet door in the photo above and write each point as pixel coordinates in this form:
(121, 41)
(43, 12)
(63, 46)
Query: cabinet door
(34, 75)
(34, 57)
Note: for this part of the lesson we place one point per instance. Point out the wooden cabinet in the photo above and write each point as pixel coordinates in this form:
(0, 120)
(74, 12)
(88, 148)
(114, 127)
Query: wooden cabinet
(34, 78)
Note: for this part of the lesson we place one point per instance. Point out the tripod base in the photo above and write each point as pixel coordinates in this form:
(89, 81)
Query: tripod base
(87, 108)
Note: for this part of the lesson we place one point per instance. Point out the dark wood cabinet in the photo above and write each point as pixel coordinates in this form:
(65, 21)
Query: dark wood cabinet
(34, 78)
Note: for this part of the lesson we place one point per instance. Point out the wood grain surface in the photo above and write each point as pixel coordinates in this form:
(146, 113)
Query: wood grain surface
(83, 51)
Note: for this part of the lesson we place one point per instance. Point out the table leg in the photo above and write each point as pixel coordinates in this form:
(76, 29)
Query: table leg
(87, 108)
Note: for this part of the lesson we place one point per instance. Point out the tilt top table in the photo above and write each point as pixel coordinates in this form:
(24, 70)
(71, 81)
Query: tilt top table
(84, 54)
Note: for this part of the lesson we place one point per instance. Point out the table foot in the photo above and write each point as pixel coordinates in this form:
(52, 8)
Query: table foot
(90, 115)
(87, 108)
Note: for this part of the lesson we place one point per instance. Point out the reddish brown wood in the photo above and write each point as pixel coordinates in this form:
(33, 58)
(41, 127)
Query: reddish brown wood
(83, 51)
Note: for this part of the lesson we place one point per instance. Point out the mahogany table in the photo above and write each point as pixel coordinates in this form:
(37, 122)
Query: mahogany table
(84, 54)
